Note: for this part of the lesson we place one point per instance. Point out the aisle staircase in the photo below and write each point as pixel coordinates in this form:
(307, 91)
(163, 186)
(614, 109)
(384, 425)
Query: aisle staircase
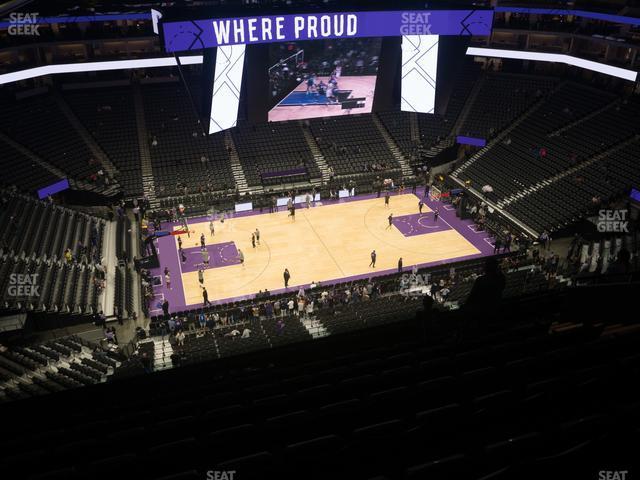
(162, 351)
(414, 127)
(148, 184)
(315, 328)
(236, 166)
(317, 154)
(96, 150)
(393, 146)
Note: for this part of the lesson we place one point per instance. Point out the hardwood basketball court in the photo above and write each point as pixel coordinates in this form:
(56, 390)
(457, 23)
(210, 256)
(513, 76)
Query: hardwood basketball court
(324, 243)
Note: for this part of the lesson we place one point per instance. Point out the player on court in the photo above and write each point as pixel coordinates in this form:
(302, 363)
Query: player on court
(205, 256)
(202, 240)
(373, 259)
(201, 276)
(205, 297)
(420, 205)
(241, 257)
(212, 228)
(292, 213)
(253, 240)
(257, 236)
(386, 199)
(436, 214)
(390, 218)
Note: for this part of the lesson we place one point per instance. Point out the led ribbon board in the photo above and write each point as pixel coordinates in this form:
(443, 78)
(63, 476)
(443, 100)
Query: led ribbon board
(623, 73)
(197, 34)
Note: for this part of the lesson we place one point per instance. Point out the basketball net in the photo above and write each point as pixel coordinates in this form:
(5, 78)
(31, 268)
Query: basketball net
(434, 194)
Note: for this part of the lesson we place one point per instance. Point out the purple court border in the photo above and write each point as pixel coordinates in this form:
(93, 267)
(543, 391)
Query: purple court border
(175, 296)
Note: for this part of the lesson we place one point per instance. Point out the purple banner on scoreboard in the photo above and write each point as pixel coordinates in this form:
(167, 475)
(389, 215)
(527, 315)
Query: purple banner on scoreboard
(197, 34)
(53, 188)
(476, 142)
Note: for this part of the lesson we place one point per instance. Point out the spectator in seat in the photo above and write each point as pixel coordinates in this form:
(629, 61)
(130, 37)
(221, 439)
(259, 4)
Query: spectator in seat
(232, 333)
(180, 336)
(280, 327)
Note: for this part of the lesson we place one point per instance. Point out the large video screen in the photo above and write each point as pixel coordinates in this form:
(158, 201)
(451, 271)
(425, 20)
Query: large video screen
(322, 78)
(419, 73)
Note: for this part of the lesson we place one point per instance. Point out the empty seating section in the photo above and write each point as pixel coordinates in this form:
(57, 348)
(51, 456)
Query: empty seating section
(560, 203)
(398, 124)
(181, 155)
(23, 172)
(56, 365)
(34, 236)
(514, 164)
(560, 135)
(501, 100)
(124, 292)
(435, 127)
(38, 124)
(36, 228)
(109, 116)
(274, 148)
(521, 401)
(351, 144)
(466, 77)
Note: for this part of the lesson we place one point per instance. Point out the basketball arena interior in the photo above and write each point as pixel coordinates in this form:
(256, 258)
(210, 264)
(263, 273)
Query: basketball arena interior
(265, 239)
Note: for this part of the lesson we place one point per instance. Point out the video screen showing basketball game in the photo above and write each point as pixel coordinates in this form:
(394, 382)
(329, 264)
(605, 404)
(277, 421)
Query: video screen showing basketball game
(322, 78)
